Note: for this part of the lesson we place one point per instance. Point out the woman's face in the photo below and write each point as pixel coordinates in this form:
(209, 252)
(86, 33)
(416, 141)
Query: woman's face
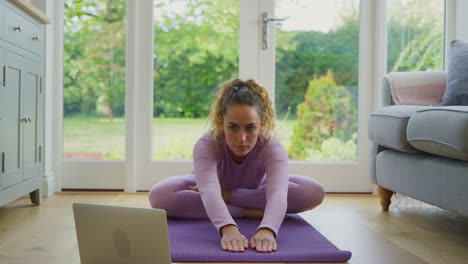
(241, 127)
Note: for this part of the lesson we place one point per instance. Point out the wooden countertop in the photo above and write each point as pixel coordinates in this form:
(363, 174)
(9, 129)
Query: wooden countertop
(29, 8)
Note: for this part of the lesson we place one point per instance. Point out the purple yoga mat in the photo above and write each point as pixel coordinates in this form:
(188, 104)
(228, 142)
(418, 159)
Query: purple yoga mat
(298, 241)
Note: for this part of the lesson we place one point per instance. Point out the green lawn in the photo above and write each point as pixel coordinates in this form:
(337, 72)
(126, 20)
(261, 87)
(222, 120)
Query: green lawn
(173, 138)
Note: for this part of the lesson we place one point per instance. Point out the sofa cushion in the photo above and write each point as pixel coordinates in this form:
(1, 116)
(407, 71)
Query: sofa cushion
(417, 87)
(387, 126)
(440, 130)
(456, 92)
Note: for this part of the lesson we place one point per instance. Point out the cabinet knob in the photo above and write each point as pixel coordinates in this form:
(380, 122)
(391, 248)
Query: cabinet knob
(36, 38)
(29, 119)
(24, 119)
(18, 28)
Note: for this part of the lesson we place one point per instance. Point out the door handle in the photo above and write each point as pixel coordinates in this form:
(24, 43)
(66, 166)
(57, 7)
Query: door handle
(265, 20)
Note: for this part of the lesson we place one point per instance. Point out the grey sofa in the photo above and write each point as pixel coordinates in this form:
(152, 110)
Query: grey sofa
(420, 151)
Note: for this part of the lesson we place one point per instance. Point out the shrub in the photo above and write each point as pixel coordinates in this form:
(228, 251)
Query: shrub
(325, 113)
(333, 149)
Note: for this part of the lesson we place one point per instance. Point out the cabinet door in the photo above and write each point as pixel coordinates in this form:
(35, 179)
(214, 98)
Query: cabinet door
(41, 120)
(30, 93)
(12, 132)
(2, 111)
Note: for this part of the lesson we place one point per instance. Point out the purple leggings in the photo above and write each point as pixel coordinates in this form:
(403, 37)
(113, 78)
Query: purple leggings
(172, 195)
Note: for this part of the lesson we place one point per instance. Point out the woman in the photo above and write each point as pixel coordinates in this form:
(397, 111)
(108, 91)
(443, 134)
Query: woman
(240, 170)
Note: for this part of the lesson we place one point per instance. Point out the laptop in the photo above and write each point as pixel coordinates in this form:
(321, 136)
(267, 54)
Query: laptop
(116, 234)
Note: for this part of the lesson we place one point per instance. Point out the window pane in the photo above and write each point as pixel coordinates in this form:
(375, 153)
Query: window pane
(196, 49)
(316, 78)
(94, 79)
(415, 35)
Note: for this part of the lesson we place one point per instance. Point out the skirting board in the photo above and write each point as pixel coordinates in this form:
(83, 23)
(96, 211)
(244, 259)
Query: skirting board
(48, 184)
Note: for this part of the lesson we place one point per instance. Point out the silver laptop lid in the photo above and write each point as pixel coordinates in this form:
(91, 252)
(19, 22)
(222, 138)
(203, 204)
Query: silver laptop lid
(116, 234)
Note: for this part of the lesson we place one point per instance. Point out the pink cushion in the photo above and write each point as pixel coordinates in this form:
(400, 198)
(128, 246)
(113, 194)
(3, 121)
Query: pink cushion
(417, 88)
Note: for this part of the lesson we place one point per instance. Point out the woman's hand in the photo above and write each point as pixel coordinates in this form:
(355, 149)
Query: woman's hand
(264, 240)
(232, 239)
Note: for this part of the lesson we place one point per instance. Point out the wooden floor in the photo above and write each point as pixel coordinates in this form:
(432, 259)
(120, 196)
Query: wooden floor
(407, 234)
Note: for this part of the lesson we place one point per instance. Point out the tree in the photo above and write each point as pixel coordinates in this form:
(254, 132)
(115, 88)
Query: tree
(415, 35)
(94, 66)
(77, 96)
(196, 49)
(304, 55)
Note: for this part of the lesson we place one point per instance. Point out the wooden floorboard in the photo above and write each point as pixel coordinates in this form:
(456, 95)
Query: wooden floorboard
(406, 234)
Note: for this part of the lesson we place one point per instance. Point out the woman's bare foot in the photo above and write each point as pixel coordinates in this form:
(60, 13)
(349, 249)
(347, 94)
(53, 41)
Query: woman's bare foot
(226, 194)
(252, 213)
(193, 188)
(255, 213)
(247, 212)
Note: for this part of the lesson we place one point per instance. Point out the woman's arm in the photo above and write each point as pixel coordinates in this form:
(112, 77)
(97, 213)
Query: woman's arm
(276, 164)
(204, 163)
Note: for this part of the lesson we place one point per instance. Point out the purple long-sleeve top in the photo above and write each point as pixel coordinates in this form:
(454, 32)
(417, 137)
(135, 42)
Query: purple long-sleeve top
(214, 170)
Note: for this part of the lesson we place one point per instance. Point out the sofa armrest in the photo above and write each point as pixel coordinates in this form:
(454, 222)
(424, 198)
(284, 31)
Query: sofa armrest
(375, 149)
(414, 88)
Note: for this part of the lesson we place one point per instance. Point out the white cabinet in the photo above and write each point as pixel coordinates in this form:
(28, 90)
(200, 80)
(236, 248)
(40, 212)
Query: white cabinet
(21, 104)
(2, 14)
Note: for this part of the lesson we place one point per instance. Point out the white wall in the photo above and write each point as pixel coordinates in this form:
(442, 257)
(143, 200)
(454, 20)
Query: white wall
(456, 23)
(51, 59)
(461, 24)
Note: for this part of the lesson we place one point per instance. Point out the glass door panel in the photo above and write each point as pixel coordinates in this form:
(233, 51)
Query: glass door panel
(316, 78)
(94, 79)
(196, 49)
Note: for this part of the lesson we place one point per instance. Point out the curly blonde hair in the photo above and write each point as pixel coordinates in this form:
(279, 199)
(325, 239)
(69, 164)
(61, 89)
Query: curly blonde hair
(239, 92)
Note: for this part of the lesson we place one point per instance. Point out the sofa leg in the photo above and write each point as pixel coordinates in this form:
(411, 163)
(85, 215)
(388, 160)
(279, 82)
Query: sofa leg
(385, 197)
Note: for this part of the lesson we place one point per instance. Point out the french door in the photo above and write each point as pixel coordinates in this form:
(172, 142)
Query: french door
(330, 43)
(303, 62)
